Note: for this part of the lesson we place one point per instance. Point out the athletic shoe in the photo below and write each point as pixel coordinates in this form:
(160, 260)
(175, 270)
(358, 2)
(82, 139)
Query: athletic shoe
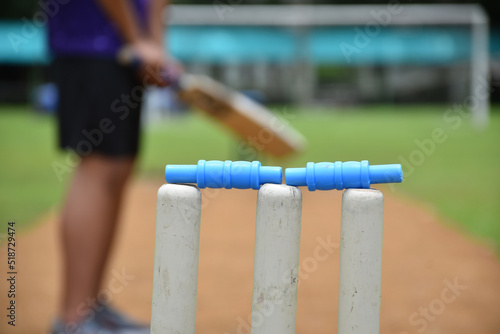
(111, 318)
(109, 322)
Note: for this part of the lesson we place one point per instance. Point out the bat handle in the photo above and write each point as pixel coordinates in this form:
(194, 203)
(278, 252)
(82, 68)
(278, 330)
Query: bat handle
(126, 56)
(171, 77)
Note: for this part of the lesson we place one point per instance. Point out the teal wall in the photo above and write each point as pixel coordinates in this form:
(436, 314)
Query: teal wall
(321, 45)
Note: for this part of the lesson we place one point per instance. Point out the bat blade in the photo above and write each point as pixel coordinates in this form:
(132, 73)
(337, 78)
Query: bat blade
(249, 120)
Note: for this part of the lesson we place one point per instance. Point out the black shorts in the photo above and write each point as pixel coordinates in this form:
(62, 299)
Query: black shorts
(99, 106)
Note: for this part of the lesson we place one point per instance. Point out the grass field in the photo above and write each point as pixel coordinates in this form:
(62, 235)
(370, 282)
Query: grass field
(448, 165)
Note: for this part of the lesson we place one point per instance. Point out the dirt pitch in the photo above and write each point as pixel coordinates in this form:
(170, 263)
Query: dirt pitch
(422, 257)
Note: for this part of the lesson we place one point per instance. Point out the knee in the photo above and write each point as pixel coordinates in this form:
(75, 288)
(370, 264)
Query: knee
(112, 173)
(119, 173)
(116, 179)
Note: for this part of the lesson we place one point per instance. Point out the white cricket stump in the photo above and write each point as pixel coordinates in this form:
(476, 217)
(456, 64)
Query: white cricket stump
(360, 261)
(175, 278)
(276, 261)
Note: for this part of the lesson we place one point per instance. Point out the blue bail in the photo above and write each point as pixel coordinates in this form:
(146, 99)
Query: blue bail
(342, 175)
(224, 174)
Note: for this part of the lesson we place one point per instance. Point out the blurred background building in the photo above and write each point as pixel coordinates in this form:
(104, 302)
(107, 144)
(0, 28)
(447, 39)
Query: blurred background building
(345, 56)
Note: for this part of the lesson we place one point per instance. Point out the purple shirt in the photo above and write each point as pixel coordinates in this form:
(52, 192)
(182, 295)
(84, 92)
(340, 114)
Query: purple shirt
(82, 28)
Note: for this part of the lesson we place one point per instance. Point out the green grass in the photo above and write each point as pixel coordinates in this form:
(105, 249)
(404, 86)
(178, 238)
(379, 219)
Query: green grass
(28, 184)
(458, 179)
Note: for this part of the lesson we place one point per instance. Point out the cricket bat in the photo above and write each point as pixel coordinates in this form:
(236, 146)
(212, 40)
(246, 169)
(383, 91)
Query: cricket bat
(247, 119)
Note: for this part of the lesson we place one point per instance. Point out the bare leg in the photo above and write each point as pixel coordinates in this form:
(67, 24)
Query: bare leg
(88, 223)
